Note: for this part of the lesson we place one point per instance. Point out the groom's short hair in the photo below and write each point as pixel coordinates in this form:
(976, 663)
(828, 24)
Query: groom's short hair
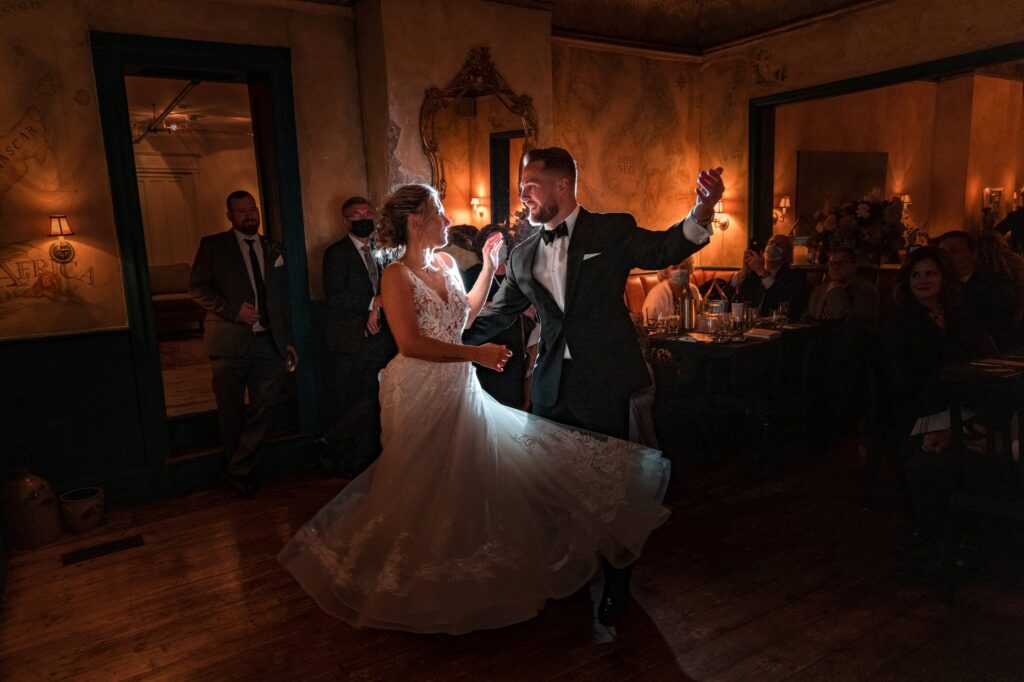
(555, 159)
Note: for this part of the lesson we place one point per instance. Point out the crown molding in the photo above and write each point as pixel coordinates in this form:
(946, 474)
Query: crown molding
(601, 44)
(802, 23)
(307, 6)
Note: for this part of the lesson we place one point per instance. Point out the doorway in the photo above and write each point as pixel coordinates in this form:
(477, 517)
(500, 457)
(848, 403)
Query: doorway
(190, 122)
(193, 145)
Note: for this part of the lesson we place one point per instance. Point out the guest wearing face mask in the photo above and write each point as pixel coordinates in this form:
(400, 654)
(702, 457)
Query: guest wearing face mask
(357, 341)
(766, 280)
(661, 300)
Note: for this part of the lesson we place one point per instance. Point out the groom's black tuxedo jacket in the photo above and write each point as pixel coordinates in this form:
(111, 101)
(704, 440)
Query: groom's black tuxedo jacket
(602, 340)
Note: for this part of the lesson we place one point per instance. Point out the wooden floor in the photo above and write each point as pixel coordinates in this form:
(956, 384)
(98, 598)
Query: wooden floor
(187, 377)
(784, 578)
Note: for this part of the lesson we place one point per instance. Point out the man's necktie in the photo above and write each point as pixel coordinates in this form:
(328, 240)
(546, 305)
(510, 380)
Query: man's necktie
(551, 235)
(371, 267)
(261, 287)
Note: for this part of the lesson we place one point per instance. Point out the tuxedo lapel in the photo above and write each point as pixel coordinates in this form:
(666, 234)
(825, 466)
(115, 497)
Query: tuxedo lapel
(577, 247)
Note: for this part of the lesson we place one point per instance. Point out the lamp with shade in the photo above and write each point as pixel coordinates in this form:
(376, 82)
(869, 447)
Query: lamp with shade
(720, 221)
(785, 203)
(60, 250)
(906, 200)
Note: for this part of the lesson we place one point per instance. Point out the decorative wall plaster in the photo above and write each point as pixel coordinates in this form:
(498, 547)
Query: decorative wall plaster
(767, 72)
(630, 126)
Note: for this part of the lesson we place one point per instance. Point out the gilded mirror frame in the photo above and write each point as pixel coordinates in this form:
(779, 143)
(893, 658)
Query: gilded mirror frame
(478, 77)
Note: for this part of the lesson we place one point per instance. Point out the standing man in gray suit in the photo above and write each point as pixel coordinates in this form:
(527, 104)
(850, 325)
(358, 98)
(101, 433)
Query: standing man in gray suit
(240, 278)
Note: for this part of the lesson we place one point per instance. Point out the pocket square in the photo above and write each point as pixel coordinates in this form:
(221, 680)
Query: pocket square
(588, 256)
(279, 262)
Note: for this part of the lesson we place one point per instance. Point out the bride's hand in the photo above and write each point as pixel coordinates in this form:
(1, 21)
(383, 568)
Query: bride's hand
(493, 356)
(492, 249)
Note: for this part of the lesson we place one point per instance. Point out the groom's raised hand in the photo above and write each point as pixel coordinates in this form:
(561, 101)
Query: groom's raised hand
(709, 190)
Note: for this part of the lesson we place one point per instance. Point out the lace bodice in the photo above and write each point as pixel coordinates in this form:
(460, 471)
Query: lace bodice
(437, 318)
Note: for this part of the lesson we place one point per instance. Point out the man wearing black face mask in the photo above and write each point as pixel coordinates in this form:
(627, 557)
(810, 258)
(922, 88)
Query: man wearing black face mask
(357, 342)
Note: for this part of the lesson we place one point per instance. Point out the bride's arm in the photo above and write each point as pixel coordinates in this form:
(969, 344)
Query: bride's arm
(396, 294)
(478, 294)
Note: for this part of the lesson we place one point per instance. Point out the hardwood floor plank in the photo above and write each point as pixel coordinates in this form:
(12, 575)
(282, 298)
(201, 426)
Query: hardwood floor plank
(764, 579)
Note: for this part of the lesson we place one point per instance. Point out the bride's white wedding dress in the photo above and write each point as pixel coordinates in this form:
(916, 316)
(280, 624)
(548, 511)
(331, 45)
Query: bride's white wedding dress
(475, 513)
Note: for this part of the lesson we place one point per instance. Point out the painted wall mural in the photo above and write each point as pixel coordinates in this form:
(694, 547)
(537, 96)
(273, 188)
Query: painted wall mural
(52, 163)
(628, 121)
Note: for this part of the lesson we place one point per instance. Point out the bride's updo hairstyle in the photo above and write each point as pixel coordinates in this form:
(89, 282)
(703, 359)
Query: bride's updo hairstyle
(393, 226)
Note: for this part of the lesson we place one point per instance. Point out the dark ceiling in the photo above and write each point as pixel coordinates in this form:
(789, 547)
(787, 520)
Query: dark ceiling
(690, 26)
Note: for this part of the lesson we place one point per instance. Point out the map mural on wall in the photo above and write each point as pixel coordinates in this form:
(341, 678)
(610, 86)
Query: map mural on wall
(52, 163)
(626, 121)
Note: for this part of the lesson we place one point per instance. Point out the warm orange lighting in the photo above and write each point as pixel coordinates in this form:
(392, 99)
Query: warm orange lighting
(478, 208)
(785, 202)
(59, 226)
(906, 199)
(719, 221)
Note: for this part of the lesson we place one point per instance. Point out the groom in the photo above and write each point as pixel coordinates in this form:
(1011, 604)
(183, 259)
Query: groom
(574, 272)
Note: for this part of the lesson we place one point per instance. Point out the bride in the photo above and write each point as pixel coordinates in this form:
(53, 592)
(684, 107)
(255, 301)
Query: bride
(475, 513)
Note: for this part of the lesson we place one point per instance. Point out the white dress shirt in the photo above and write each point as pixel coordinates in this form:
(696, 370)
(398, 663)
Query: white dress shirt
(258, 247)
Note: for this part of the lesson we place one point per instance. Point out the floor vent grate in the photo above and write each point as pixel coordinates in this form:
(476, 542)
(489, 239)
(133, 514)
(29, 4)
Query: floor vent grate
(86, 553)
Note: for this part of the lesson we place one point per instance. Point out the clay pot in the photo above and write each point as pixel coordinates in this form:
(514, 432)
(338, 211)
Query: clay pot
(82, 508)
(29, 510)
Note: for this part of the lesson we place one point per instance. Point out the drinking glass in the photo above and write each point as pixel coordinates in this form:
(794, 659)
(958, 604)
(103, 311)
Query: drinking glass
(781, 314)
(738, 313)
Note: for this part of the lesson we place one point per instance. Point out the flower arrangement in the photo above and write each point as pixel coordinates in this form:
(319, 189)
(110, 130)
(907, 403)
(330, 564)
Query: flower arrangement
(873, 227)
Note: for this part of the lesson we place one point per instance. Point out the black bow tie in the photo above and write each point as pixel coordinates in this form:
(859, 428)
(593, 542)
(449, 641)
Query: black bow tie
(551, 235)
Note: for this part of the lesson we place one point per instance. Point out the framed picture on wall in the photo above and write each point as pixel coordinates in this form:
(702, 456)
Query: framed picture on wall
(826, 180)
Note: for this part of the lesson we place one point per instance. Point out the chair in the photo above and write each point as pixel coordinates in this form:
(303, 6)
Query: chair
(990, 483)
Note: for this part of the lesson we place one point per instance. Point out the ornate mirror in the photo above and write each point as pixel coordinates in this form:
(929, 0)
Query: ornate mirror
(475, 132)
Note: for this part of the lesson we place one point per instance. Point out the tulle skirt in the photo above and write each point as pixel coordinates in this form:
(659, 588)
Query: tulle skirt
(475, 513)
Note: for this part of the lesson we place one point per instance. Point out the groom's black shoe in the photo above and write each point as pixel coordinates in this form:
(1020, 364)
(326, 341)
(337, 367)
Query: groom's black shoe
(615, 597)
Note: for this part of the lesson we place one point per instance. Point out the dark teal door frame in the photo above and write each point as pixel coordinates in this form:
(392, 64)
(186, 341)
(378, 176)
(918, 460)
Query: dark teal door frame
(267, 70)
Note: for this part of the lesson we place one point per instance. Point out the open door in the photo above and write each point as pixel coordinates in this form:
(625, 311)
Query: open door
(186, 120)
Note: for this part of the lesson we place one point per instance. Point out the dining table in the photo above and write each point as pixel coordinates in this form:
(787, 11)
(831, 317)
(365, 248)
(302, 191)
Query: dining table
(763, 375)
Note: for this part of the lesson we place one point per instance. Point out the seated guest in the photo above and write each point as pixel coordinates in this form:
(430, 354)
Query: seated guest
(995, 256)
(923, 331)
(507, 387)
(843, 295)
(846, 344)
(661, 299)
(986, 296)
(460, 246)
(766, 280)
(933, 471)
(1012, 228)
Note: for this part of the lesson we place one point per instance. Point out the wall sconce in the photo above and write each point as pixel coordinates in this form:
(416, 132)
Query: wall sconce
(991, 196)
(784, 205)
(720, 221)
(906, 200)
(478, 210)
(60, 250)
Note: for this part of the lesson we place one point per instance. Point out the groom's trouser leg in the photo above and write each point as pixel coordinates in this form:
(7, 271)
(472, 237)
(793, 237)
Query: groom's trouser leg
(604, 412)
(607, 414)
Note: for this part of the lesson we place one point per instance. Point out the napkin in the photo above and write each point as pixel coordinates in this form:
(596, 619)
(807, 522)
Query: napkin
(759, 333)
